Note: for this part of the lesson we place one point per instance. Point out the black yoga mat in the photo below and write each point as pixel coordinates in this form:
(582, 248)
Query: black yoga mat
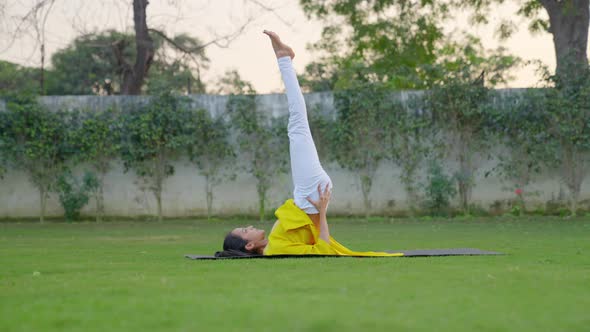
(406, 253)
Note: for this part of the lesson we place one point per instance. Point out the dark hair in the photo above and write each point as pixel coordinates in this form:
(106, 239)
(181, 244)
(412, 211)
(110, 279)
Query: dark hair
(234, 246)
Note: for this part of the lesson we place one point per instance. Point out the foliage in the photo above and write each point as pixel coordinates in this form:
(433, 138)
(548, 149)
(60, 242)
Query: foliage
(459, 110)
(392, 40)
(360, 132)
(17, 79)
(439, 190)
(459, 104)
(232, 83)
(3, 157)
(175, 77)
(177, 69)
(321, 125)
(547, 129)
(466, 60)
(210, 149)
(97, 139)
(262, 144)
(88, 59)
(410, 141)
(567, 22)
(154, 136)
(83, 66)
(519, 128)
(565, 121)
(73, 195)
(36, 141)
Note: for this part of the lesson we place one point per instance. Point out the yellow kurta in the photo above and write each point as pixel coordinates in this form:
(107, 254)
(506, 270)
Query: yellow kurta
(295, 234)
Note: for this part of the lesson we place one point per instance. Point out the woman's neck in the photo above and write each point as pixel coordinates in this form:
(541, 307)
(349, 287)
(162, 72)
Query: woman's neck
(260, 246)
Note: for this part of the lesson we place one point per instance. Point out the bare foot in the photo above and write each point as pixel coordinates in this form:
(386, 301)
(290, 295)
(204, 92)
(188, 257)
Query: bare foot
(279, 47)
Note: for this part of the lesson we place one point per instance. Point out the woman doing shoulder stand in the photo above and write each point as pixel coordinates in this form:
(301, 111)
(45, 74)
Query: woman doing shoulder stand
(302, 226)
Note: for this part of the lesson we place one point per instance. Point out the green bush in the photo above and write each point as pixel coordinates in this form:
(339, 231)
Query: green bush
(37, 142)
(439, 190)
(74, 195)
(154, 136)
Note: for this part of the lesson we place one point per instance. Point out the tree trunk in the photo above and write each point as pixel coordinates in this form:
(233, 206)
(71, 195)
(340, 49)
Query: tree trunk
(568, 21)
(574, 203)
(158, 195)
(42, 79)
(574, 169)
(465, 178)
(100, 199)
(412, 197)
(366, 184)
(462, 184)
(43, 201)
(133, 78)
(209, 189)
(97, 199)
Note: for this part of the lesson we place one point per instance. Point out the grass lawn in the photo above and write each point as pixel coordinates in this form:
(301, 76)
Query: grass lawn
(132, 276)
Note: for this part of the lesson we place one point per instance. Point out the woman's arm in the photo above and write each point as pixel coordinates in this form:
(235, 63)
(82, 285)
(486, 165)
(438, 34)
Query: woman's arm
(322, 206)
(324, 230)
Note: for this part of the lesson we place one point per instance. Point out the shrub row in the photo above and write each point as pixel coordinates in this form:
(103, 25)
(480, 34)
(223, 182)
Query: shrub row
(462, 122)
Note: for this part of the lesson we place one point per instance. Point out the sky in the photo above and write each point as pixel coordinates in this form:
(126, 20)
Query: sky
(250, 53)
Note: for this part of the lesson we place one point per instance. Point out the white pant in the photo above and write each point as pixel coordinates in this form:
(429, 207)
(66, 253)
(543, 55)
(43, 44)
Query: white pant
(306, 169)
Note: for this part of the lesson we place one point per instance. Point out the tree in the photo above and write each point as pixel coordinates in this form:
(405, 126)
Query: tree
(459, 107)
(232, 83)
(391, 39)
(565, 111)
(134, 71)
(134, 75)
(36, 141)
(409, 141)
(74, 194)
(459, 102)
(98, 142)
(15, 79)
(91, 59)
(568, 24)
(87, 60)
(359, 143)
(519, 127)
(211, 151)
(35, 19)
(392, 27)
(261, 141)
(262, 144)
(154, 136)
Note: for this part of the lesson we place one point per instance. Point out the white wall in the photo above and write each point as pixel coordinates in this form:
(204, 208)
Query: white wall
(184, 192)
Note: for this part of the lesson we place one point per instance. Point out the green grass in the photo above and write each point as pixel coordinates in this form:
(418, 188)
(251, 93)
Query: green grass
(132, 276)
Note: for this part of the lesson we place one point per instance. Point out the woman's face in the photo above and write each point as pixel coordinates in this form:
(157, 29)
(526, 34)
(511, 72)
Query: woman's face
(249, 233)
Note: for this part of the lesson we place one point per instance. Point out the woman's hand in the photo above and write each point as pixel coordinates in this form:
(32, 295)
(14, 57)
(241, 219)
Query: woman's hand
(322, 204)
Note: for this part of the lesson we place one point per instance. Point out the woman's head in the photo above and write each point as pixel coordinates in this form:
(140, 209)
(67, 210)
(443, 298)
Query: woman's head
(243, 241)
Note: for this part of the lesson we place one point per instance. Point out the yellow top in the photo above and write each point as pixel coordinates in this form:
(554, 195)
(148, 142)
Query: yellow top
(295, 234)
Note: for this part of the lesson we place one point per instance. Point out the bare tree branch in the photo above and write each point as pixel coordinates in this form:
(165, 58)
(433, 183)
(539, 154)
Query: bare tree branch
(175, 44)
(191, 53)
(225, 40)
(271, 10)
(26, 21)
(118, 48)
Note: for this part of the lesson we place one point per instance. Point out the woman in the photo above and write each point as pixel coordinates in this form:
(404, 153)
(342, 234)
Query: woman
(302, 227)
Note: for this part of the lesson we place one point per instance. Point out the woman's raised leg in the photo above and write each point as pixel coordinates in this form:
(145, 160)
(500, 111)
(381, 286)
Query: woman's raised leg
(306, 168)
